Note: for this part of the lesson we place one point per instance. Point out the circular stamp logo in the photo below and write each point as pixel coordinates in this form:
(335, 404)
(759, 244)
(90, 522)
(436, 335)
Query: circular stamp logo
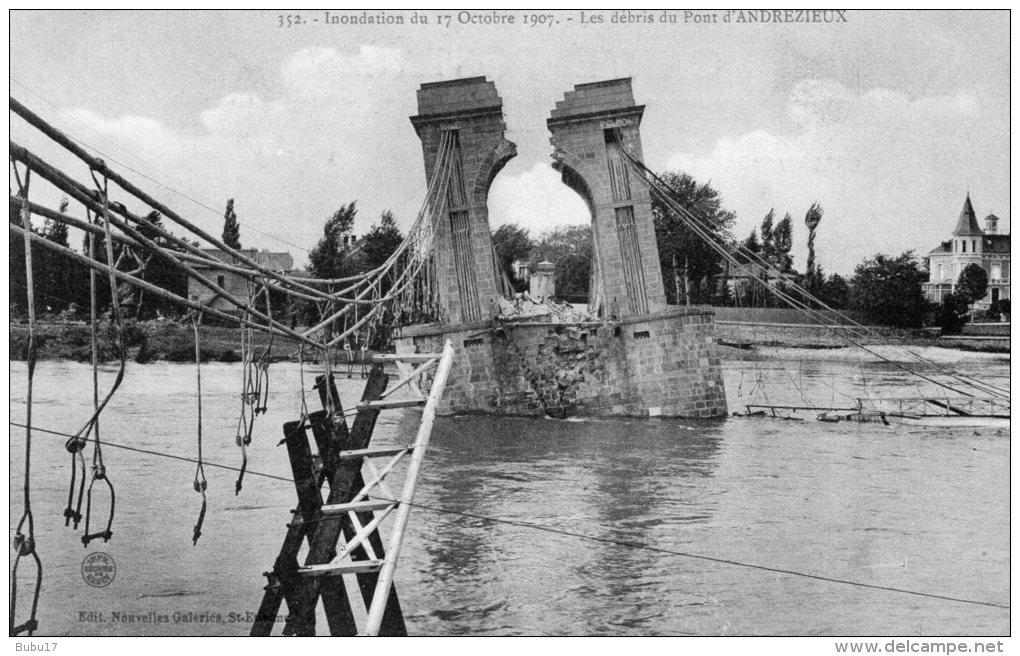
(98, 569)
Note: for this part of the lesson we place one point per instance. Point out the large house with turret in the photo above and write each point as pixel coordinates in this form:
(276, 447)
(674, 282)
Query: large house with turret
(970, 245)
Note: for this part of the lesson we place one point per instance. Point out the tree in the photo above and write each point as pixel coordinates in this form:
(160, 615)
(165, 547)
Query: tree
(812, 219)
(512, 242)
(951, 314)
(751, 244)
(54, 274)
(327, 258)
(782, 244)
(570, 249)
(150, 268)
(972, 284)
(690, 266)
(888, 290)
(380, 241)
(231, 228)
(834, 292)
(767, 246)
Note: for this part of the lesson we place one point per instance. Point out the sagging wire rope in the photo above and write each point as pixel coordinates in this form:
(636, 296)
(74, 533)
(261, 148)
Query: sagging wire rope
(402, 283)
(703, 230)
(665, 193)
(593, 538)
(25, 544)
(70, 145)
(188, 255)
(425, 223)
(82, 195)
(145, 162)
(96, 164)
(971, 382)
(138, 282)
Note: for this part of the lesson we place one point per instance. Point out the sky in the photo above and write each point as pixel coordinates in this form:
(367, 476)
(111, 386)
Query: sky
(887, 120)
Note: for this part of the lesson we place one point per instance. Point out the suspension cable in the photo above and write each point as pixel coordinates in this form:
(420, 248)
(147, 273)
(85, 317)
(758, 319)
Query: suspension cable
(200, 484)
(699, 225)
(25, 544)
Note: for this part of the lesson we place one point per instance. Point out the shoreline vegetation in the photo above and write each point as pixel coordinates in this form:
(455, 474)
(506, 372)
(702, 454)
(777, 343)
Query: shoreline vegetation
(169, 341)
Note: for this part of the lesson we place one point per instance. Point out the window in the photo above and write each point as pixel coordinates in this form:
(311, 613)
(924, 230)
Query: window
(973, 245)
(220, 280)
(964, 245)
(996, 271)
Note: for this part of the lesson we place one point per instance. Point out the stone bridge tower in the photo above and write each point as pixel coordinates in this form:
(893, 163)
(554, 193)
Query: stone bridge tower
(471, 111)
(589, 127)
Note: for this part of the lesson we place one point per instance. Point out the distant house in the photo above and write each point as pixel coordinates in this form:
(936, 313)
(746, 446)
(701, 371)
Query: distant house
(522, 270)
(231, 282)
(740, 277)
(970, 245)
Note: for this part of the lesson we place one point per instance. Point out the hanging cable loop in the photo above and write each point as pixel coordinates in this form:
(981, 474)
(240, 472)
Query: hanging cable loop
(200, 484)
(24, 544)
(99, 472)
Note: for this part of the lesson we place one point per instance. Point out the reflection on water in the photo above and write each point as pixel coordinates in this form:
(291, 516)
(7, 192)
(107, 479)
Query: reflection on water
(922, 510)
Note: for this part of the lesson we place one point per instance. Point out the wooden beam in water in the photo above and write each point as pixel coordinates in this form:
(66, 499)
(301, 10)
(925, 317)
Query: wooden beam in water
(948, 406)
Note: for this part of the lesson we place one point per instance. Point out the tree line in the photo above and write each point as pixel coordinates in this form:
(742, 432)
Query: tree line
(885, 289)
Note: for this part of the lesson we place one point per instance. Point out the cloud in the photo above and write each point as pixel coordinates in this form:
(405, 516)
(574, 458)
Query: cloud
(317, 71)
(535, 199)
(889, 170)
(289, 157)
(133, 132)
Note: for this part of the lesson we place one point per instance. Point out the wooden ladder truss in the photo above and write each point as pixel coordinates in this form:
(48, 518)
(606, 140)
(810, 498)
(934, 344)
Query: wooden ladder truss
(343, 532)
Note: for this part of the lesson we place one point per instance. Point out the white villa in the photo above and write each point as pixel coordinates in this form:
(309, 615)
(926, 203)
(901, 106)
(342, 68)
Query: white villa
(970, 245)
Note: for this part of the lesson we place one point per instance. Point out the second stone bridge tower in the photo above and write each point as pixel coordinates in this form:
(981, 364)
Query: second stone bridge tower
(590, 128)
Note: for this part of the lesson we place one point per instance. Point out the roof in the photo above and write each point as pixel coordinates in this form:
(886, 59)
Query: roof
(967, 225)
(272, 261)
(998, 244)
(745, 270)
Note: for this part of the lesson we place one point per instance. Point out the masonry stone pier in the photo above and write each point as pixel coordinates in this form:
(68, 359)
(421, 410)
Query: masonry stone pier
(590, 127)
(470, 112)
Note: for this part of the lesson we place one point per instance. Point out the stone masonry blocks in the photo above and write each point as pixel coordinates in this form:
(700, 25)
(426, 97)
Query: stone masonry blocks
(626, 256)
(664, 365)
(472, 109)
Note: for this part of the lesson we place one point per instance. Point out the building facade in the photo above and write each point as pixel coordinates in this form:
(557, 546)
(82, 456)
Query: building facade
(970, 244)
(233, 283)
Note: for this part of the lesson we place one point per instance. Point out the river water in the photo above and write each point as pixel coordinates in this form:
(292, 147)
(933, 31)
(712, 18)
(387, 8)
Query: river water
(905, 507)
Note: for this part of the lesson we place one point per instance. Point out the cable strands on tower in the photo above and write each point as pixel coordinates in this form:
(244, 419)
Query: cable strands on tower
(853, 335)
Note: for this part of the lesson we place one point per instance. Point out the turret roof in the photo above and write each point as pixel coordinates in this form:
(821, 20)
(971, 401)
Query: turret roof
(967, 225)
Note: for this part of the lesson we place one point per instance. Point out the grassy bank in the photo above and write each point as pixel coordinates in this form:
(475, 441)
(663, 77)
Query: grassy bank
(145, 341)
(735, 337)
(169, 341)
